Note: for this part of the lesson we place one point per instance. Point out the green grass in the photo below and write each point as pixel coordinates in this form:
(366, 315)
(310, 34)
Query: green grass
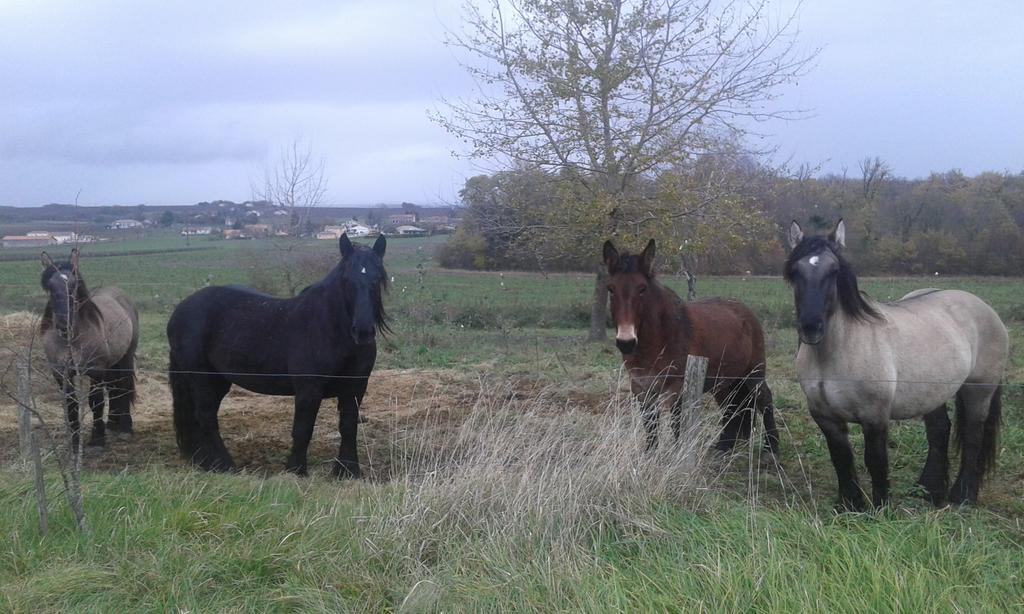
(176, 541)
(765, 540)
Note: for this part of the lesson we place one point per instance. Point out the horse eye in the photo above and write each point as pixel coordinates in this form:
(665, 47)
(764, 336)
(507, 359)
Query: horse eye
(643, 289)
(611, 290)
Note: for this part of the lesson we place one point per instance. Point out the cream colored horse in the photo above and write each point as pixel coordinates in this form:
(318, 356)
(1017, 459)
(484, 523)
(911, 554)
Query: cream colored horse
(869, 363)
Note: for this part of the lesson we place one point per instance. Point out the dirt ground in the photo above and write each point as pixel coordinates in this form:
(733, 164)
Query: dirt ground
(257, 428)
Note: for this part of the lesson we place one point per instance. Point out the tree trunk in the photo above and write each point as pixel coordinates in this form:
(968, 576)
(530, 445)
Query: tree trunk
(691, 286)
(599, 308)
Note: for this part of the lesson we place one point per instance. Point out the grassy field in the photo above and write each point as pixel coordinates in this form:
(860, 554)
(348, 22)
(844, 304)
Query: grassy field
(537, 530)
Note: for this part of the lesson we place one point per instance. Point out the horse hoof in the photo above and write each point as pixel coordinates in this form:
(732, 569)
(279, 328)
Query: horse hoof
(119, 427)
(346, 470)
(217, 465)
(851, 506)
(297, 470)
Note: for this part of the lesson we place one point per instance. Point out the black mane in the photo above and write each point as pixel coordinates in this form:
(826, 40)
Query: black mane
(363, 256)
(851, 299)
(85, 309)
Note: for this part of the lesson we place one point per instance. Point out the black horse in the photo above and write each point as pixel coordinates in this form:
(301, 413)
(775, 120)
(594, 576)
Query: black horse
(320, 344)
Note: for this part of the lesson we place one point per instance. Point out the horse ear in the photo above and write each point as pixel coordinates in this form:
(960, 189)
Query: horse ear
(74, 260)
(647, 258)
(345, 246)
(46, 260)
(379, 246)
(796, 234)
(611, 255)
(839, 234)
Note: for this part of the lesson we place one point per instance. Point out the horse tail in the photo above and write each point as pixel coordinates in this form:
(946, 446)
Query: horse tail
(990, 431)
(130, 389)
(186, 427)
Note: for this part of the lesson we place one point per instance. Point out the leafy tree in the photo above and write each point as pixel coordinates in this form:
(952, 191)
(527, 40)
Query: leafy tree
(167, 218)
(605, 94)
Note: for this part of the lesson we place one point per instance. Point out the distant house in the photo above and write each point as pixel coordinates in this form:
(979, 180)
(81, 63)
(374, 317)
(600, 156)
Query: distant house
(355, 229)
(257, 231)
(38, 233)
(231, 233)
(397, 219)
(280, 212)
(352, 228)
(410, 231)
(124, 224)
(27, 241)
(192, 231)
(65, 237)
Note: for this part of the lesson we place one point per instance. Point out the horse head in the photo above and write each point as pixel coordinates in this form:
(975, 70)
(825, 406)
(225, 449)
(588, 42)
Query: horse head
(65, 288)
(629, 277)
(822, 280)
(363, 278)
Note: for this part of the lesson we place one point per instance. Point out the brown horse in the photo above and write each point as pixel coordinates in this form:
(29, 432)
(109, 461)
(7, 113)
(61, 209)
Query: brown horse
(656, 330)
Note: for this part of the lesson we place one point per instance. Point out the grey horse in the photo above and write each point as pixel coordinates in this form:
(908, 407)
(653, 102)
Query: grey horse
(869, 363)
(94, 335)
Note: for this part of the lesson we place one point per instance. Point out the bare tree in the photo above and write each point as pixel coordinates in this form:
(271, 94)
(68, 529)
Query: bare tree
(873, 173)
(609, 91)
(296, 182)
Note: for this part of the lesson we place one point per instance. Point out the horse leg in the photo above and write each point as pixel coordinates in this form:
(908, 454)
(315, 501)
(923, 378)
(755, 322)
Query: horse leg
(876, 457)
(736, 417)
(349, 402)
(120, 392)
(649, 413)
(935, 475)
(307, 405)
(207, 392)
(67, 387)
(976, 434)
(677, 417)
(765, 405)
(837, 437)
(99, 431)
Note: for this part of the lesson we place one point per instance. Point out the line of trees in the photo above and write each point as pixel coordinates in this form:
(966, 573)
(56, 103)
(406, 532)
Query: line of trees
(724, 213)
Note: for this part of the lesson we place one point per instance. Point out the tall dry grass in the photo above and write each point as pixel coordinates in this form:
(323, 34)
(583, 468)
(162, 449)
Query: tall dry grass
(525, 474)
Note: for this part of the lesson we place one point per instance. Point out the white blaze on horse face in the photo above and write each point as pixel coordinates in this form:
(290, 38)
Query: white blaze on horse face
(625, 332)
(63, 276)
(363, 271)
(814, 260)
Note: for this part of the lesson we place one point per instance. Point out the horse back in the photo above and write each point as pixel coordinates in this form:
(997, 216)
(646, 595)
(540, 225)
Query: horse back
(929, 316)
(245, 335)
(728, 333)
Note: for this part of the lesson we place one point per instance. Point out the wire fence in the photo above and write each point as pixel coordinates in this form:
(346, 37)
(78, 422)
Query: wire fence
(770, 379)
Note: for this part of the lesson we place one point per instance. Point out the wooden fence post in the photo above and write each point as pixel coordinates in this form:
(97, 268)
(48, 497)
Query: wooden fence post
(693, 388)
(29, 448)
(24, 415)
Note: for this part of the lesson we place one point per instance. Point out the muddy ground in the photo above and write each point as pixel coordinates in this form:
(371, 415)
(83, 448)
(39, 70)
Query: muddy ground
(399, 407)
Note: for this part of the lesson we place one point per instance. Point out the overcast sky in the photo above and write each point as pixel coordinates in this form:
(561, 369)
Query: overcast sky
(177, 102)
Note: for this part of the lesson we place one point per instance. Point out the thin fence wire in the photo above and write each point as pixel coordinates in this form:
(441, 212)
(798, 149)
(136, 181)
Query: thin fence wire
(717, 378)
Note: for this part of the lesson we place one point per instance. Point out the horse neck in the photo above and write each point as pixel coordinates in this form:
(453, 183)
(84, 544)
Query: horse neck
(661, 306)
(838, 333)
(333, 292)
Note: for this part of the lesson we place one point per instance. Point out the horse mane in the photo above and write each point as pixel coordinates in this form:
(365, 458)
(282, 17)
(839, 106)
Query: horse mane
(85, 310)
(851, 300)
